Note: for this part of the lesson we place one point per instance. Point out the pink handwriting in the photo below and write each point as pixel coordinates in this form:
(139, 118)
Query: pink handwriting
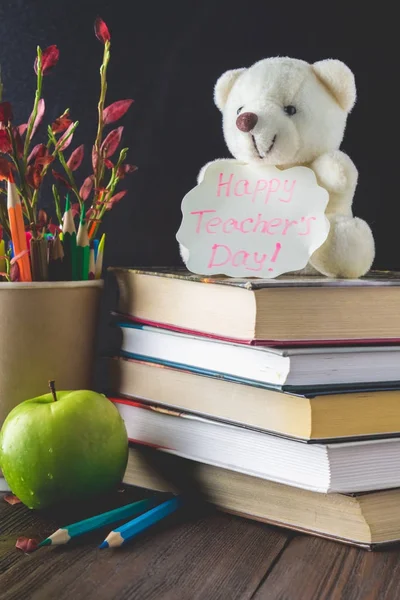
(221, 255)
(242, 187)
(251, 225)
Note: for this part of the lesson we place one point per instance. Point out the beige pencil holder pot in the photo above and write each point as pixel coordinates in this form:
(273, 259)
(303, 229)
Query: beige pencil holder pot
(47, 331)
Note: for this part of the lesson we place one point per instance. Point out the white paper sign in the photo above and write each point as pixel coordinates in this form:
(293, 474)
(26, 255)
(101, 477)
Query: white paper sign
(253, 221)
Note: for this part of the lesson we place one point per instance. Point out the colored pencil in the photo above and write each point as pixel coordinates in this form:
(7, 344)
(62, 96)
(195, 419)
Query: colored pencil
(92, 262)
(100, 254)
(2, 255)
(17, 228)
(96, 248)
(56, 260)
(128, 531)
(63, 535)
(69, 243)
(39, 259)
(82, 248)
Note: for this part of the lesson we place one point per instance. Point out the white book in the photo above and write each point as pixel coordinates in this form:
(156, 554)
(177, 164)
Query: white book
(288, 368)
(340, 467)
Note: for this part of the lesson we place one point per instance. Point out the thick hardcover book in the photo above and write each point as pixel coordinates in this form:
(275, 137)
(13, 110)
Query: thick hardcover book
(369, 520)
(312, 417)
(289, 309)
(298, 370)
(341, 467)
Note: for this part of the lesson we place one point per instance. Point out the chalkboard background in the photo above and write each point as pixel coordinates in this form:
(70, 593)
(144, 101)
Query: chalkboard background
(167, 56)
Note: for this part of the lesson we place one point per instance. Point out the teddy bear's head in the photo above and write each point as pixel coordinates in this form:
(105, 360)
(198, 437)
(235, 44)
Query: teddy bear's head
(284, 111)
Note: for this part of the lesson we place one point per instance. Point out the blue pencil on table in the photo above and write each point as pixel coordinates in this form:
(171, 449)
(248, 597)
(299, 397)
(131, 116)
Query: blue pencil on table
(126, 532)
(63, 535)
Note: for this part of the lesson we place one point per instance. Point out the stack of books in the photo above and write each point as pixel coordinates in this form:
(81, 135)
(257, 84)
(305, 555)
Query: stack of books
(286, 391)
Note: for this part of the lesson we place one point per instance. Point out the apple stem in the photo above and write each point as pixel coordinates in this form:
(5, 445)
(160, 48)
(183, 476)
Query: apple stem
(52, 386)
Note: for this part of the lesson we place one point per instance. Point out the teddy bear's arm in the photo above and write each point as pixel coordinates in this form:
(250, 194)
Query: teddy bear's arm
(337, 173)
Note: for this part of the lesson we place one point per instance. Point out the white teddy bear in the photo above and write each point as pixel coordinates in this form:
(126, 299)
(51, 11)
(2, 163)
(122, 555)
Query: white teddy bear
(286, 112)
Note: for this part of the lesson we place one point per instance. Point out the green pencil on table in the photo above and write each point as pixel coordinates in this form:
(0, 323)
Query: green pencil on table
(82, 248)
(69, 242)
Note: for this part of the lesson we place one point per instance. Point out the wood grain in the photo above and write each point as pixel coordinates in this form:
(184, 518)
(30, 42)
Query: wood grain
(317, 569)
(215, 557)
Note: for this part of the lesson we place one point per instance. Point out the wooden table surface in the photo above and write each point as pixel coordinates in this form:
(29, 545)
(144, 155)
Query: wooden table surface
(216, 557)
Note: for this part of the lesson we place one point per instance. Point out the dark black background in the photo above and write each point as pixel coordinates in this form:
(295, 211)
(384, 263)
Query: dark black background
(167, 55)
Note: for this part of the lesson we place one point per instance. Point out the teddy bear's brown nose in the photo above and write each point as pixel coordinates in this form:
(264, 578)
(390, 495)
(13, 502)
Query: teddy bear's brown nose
(246, 121)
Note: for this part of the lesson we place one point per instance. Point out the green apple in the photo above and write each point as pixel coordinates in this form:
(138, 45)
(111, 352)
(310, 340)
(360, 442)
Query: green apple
(63, 446)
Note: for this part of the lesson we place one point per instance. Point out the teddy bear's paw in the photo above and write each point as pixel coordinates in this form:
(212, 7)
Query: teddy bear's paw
(349, 250)
(335, 172)
(184, 253)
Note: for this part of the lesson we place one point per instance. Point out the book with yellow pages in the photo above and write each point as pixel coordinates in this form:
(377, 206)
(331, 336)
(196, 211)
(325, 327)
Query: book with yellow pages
(369, 520)
(286, 310)
(311, 417)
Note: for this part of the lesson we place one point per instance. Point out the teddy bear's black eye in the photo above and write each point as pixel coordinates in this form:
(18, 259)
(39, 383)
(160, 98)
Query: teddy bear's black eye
(290, 110)
(239, 110)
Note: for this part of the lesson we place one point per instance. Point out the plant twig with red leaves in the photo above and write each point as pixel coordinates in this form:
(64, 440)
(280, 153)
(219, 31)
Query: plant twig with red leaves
(97, 194)
(96, 186)
(18, 162)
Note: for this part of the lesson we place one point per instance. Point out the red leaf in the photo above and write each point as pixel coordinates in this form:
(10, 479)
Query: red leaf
(22, 128)
(101, 31)
(115, 199)
(50, 58)
(53, 229)
(5, 169)
(26, 544)
(111, 142)
(42, 217)
(34, 176)
(76, 158)
(38, 150)
(44, 160)
(60, 178)
(5, 142)
(115, 111)
(39, 116)
(61, 123)
(64, 140)
(11, 499)
(18, 142)
(6, 113)
(89, 213)
(125, 170)
(86, 188)
(108, 163)
(76, 209)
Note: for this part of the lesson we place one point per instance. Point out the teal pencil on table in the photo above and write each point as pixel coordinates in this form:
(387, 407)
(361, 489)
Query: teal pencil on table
(132, 528)
(63, 535)
(69, 242)
(82, 248)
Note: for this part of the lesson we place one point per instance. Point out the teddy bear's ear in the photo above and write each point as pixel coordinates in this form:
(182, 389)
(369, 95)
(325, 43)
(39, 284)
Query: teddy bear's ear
(224, 86)
(339, 79)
